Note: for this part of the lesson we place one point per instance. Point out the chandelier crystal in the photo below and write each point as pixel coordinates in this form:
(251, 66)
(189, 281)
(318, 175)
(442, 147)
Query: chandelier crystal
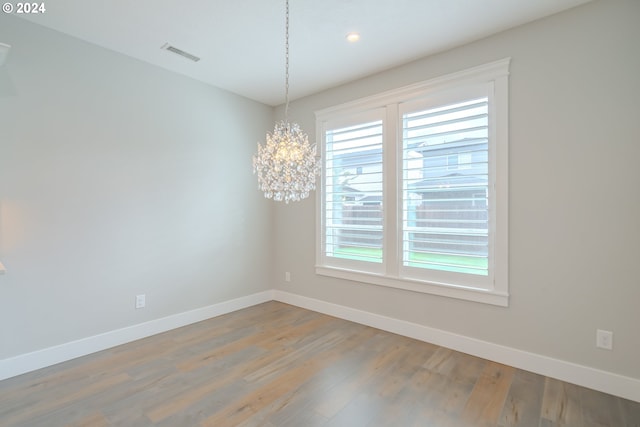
(287, 164)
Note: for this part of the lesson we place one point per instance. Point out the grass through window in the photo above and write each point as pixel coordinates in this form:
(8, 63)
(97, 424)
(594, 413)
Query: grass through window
(444, 262)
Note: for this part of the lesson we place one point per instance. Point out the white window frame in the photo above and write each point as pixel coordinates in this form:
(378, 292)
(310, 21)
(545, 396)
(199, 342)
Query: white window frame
(391, 274)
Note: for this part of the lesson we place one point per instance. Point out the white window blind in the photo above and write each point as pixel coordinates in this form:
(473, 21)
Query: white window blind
(414, 192)
(353, 193)
(445, 213)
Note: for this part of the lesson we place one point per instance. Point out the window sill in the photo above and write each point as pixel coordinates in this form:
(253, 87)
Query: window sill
(469, 294)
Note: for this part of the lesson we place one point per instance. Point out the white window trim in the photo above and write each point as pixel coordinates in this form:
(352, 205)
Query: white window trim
(495, 73)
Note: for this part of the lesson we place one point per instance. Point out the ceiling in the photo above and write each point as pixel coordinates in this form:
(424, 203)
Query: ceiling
(241, 42)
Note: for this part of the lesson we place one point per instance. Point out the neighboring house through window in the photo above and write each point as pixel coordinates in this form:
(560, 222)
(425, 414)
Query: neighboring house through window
(414, 187)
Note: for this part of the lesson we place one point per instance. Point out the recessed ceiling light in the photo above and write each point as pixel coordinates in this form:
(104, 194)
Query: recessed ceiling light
(353, 37)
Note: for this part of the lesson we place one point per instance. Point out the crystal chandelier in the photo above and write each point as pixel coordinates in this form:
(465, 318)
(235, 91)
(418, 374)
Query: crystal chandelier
(287, 164)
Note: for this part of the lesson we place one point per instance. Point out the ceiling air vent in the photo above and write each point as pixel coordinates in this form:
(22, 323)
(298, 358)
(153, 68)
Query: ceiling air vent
(180, 52)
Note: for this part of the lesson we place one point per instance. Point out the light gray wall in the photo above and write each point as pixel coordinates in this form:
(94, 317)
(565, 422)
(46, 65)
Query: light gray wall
(574, 198)
(118, 178)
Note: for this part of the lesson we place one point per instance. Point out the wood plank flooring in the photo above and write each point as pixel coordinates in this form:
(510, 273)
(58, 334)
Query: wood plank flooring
(276, 365)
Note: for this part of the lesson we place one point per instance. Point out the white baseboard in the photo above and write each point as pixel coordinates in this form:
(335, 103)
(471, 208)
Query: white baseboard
(28, 362)
(607, 382)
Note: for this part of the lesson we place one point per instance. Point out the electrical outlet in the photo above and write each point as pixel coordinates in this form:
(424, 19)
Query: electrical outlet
(604, 339)
(141, 301)
(287, 276)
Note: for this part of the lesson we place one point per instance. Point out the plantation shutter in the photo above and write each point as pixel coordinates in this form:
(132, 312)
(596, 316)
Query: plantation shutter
(353, 215)
(445, 176)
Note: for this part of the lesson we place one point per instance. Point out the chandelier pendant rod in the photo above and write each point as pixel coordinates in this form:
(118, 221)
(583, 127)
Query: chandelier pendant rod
(286, 78)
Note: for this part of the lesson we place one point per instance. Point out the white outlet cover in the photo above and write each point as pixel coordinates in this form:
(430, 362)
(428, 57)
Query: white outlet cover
(604, 339)
(140, 301)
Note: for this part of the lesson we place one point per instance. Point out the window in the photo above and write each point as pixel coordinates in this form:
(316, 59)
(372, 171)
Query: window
(452, 161)
(414, 187)
(353, 206)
